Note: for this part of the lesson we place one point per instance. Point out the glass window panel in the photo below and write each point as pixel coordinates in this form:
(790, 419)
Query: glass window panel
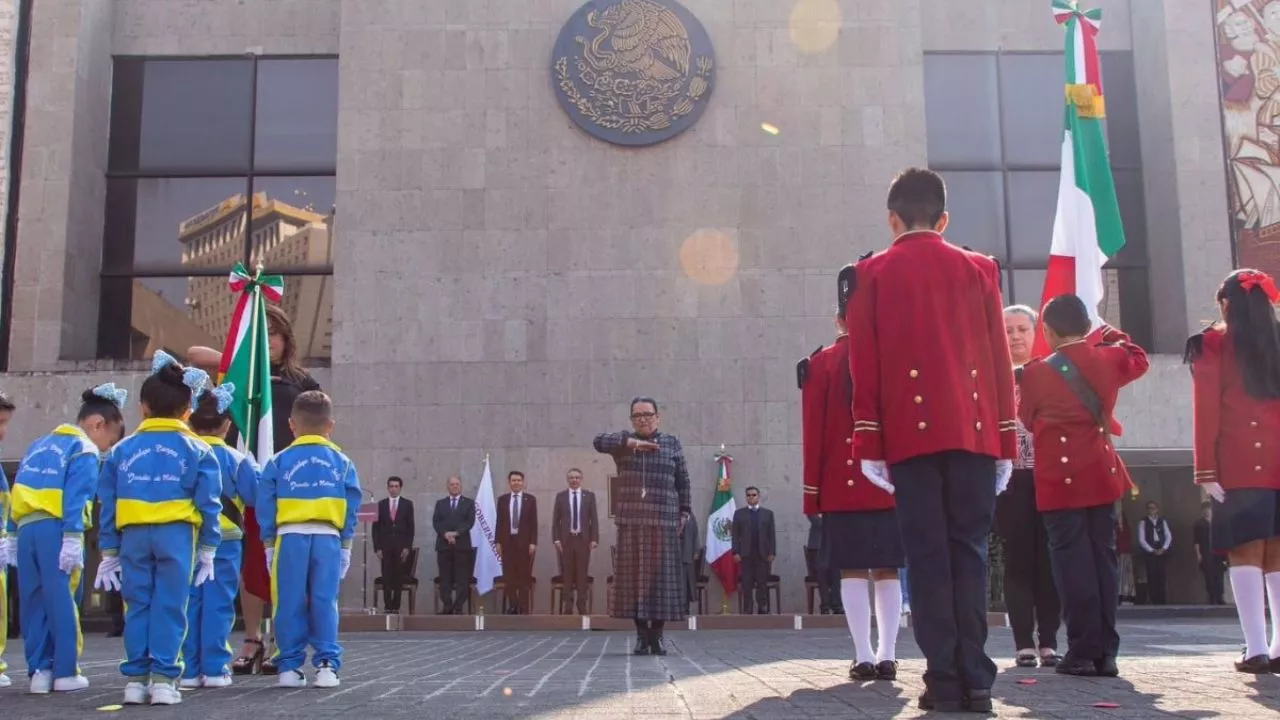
(1033, 201)
(1031, 108)
(975, 201)
(297, 121)
(962, 122)
(292, 222)
(1028, 286)
(1120, 89)
(196, 115)
(176, 223)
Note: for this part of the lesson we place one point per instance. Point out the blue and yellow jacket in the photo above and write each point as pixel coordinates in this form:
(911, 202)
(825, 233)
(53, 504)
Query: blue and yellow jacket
(160, 474)
(310, 481)
(239, 485)
(4, 503)
(56, 481)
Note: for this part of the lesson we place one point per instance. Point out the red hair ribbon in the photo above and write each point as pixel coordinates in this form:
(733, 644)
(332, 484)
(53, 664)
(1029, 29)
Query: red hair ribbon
(1249, 279)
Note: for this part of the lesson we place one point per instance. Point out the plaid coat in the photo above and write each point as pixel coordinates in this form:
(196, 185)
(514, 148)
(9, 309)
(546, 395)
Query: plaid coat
(653, 491)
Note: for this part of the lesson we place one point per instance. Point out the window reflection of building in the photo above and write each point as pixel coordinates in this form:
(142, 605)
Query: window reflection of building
(283, 236)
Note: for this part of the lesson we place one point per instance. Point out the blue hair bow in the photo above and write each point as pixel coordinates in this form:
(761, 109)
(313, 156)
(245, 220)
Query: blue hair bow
(225, 394)
(109, 392)
(161, 360)
(196, 379)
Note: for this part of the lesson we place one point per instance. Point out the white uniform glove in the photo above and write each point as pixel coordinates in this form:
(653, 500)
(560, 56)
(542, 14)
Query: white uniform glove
(108, 578)
(1004, 470)
(1214, 490)
(5, 553)
(345, 563)
(72, 555)
(204, 569)
(270, 553)
(12, 558)
(878, 473)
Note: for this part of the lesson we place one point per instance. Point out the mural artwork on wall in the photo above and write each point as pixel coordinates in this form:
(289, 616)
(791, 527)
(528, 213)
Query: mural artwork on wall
(1248, 41)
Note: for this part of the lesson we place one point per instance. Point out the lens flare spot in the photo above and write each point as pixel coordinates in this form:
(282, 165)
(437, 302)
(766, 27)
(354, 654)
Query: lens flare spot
(770, 128)
(814, 25)
(709, 257)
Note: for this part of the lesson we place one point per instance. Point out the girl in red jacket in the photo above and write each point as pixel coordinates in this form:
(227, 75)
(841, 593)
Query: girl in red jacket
(1235, 369)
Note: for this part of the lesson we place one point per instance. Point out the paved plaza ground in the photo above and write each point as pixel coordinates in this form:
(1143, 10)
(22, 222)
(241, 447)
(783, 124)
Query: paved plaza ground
(1171, 668)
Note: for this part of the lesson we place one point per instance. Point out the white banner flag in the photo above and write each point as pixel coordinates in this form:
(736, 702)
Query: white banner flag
(484, 534)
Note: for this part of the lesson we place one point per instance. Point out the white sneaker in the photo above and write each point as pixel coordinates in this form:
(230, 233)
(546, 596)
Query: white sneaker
(217, 681)
(135, 693)
(190, 683)
(71, 684)
(327, 677)
(292, 679)
(5, 681)
(41, 683)
(165, 693)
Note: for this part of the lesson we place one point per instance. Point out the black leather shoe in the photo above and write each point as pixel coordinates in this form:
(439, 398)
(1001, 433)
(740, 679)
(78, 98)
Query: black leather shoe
(927, 703)
(1256, 665)
(1079, 668)
(642, 646)
(764, 610)
(1107, 667)
(887, 670)
(655, 643)
(1275, 665)
(1053, 659)
(977, 701)
(862, 671)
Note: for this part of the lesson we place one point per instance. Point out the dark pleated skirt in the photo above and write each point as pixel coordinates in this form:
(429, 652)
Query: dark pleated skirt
(1248, 514)
(861, 541)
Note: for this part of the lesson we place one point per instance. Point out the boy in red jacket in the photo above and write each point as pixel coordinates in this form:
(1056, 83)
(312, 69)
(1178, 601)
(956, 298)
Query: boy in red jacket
(1067, 404)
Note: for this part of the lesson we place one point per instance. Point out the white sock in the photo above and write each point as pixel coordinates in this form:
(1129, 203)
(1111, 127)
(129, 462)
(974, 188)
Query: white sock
(1246, 585)
(857, 612)
(888, 617)
(1273, 591)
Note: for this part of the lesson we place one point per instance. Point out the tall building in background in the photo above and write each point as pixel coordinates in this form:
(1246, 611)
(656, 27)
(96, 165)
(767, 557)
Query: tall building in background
(283, 236)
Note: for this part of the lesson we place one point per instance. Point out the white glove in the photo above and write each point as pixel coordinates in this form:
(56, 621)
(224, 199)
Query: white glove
(878, 473)
(1004, 470)
(4, 553)
(271, 553)
(12, 557)
(345, 563)
(1214, 490)
(72, 555)
(108, 579)
(204, 571)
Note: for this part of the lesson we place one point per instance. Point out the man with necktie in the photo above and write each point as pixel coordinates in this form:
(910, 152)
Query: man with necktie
(517, 542)
(452, 520)
(754, 545)
(392, 539)
(575, 534)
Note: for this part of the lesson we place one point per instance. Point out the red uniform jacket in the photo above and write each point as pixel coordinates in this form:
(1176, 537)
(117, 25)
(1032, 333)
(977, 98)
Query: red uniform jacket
(1077, 465)
(932, 360)
(832, 480)
(1237, 437)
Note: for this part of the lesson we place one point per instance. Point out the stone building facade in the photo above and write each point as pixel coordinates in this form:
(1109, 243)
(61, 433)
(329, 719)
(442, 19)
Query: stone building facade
(503, 283)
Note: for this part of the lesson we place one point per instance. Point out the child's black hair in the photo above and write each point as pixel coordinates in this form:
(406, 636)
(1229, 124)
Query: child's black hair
(1067, 315)
(91, 404)
(312, 410)
(205, 418)
(918, 197)
(165, 394)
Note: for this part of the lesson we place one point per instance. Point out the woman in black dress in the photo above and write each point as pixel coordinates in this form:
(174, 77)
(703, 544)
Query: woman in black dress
(288, 381)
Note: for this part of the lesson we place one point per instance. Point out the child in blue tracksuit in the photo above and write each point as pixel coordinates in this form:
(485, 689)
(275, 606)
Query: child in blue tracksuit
(159, 492)
(211, 609)
(54, 485)
(307, 502)
(6, 414)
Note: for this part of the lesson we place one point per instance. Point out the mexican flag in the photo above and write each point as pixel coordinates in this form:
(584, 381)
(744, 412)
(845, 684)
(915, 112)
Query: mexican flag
(1087, 230)
(246, 361)
(720, 527)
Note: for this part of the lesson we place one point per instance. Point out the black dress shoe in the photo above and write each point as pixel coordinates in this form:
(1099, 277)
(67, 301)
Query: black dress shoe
(887, 670)
(1053, 659)
(1077, 667)
(762, 611)
(655, 643)
(862, 671)
(927, 703)
(1107, 667)
(1256, 665)
(1275, 665)
(115, 632)
(977, 701)
(642, 646)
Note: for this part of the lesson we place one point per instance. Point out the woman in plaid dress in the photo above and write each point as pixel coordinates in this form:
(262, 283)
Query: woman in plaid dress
(652, 509)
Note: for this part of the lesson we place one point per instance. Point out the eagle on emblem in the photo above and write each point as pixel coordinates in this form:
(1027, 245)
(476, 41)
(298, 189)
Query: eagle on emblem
(644, 38)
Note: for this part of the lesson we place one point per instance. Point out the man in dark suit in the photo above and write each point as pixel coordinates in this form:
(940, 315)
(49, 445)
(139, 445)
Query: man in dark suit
(392, 539)
(575, 533)
(452, 521)
(517, 542)
(754, 545)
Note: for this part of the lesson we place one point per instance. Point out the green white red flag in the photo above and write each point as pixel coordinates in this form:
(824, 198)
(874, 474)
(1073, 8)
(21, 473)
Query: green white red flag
(1087, 229)
(246, 361)
(720, 526)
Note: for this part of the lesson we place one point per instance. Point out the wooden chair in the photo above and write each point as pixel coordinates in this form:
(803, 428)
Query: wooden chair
(500, 584)
(772, 587)
(557, 591)
(810, 580)
(409, 586)
(471, 595)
